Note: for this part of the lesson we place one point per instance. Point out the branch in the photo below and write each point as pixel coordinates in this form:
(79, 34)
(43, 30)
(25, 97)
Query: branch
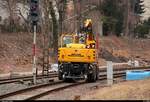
(3, 4)
(22, 16)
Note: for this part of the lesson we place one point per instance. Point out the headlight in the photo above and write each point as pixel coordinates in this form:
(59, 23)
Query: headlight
(93, 46)
(88, 46)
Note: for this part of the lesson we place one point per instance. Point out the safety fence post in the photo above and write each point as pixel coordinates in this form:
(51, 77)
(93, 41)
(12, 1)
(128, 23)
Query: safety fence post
(109, 73)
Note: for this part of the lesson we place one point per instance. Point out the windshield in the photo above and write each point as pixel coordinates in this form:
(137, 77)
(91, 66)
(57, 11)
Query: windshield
(67, 40)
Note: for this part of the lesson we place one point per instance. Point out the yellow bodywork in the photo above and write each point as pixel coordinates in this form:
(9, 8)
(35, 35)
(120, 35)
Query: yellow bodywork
(76, 51)
(76, 55)
(81, 46)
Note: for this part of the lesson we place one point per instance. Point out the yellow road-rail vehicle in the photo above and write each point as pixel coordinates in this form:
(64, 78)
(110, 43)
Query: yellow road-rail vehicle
(77, 55)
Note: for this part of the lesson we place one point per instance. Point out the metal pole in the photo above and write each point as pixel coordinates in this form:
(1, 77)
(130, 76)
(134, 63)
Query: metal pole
(34, 55)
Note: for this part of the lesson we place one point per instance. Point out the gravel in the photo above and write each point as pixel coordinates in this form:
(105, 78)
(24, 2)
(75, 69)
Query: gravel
(66, 94)
(6, 88)
(11, 87)
(71, 93)
(75, 93)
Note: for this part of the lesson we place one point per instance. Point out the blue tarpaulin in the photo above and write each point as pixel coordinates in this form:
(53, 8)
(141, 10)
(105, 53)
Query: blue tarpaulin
(137, 75)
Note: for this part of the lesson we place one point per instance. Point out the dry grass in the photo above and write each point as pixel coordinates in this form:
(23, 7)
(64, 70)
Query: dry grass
(137, 48)
(130, 90)
(16, 52)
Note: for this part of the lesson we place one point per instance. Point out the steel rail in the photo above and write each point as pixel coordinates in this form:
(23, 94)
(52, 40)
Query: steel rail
(34, 97)
(29, 76)
(52, 75)
(18, 92)
(28, 89)
(53, 90)
(25, 79)
(101, 70)
(101, 77)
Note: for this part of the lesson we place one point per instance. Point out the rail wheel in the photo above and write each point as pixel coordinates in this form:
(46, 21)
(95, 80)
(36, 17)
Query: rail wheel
(97, 73)
(92, 77)
(60, 75)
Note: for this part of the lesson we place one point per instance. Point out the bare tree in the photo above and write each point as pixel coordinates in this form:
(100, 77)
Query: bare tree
(55, 26)
(49, 24)
(10, 6)
(69, 25)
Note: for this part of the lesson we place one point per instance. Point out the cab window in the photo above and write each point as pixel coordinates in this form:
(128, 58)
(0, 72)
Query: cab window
(67, 40)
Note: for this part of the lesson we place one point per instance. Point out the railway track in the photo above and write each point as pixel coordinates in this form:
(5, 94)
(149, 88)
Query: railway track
(35, 92)
(19, 92)
(35, 97)
(25, 78)
(52, 75)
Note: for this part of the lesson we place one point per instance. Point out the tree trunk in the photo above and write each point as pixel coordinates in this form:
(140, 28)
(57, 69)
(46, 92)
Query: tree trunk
(55, 30)
(69, 25)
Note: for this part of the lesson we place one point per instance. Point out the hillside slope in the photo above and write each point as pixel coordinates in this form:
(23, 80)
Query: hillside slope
(122, 49)
(16, 51)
